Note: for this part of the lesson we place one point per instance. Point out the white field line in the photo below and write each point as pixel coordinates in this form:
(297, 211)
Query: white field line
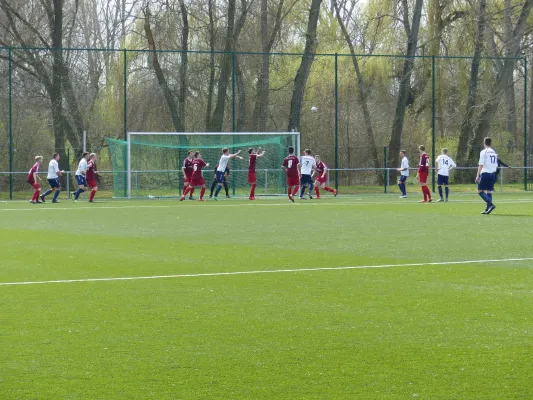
(274, 271)
(231, 204)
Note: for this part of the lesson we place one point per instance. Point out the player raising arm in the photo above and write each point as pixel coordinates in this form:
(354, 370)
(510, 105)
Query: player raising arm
(252, 178)
(422, 175)
(187, 172)
(291, 166)
(444, 165)
(91, 176)
(53, 179)
(221, 170)
(486, 174)
(321, 171)
(196, 178)
(307, 169)
(227, 172)
(32, 179)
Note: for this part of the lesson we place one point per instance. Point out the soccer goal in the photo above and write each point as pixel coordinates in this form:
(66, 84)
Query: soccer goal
(149, 164)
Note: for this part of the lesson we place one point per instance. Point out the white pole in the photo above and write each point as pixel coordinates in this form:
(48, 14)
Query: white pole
(129, 166)
(84, 141)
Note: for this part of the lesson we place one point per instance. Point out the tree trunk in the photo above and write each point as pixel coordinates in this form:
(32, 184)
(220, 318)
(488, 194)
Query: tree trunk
(510, 93)
(263, 82)
(405, 82)
(300, 80)
(211, 87)
(182, 94)
(241, 92)
(530, 131)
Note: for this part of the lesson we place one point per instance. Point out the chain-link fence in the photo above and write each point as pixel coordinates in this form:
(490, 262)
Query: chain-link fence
(356, 112)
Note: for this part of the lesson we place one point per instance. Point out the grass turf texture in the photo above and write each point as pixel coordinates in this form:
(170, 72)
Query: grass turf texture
(430, 331)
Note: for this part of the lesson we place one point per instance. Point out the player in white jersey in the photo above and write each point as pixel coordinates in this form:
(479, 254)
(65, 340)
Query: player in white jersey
(306, 167)
(53, 179)
(80, 176)
(222, 164)
(486, 174)
(444, 165)
(404, 173)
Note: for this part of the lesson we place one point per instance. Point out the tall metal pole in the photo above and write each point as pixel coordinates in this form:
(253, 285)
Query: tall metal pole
(127, 193)
(336, 121)
(10, 116)
(433, 122)
(233, 110)
(525, 123)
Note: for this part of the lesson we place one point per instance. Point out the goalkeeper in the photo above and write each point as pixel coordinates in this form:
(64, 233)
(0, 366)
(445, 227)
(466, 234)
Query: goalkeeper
(225, 182)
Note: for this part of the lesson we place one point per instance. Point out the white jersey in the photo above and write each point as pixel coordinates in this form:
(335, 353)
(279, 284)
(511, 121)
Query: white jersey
(223, 163)
(405, 164)
(308, 163)
(53, 169)
(445, 163)
(489, 160)
(82, 167)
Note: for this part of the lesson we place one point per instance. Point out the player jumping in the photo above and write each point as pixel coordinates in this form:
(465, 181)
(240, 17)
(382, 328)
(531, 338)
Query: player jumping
(187, 172)
(321, 171)
(32, 179)
(252, 178)
(404, 174)
(444, 165)
(307, 168)
(422, 175)
(91, 176)
(222, 164)
(486, 174)
(80, 176)
(291, 167)
(53, 179)
(196, 178)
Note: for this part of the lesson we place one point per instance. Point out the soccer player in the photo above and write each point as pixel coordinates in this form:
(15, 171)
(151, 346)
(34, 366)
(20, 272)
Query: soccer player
(196, 178)
(321, 171)
(53, 179)
(486, 174)
(91, 176)
(422, 175)
(307, 167)
(187, 172)
(214, 183)
(444, 164)
(222, 164)
(80, 176)
(32, 179)
(404, 173)
(291, 166)
(252, 178)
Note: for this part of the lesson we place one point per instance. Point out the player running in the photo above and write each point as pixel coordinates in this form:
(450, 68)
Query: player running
(321, 171)
(80, 176)
(196, 178)
(187, 172)
(444, 164)
(486, 174)
(291, 166)
(404, 173)
(53, 179)
(91, 176)
(227, 172)
(307, 169)
(252, 178)
(422, 175)
(32, 179)
(222, 164)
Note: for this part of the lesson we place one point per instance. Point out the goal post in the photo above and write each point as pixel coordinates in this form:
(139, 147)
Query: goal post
(151, 161)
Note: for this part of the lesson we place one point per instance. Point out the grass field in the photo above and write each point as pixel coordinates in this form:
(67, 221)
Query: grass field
(367, 297)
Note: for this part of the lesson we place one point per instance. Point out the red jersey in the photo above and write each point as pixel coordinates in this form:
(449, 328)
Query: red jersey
(291, 164)
(197, 166)
(187, 164)
(320, 168)
(33, 170)
(90, 174)
(251, 162)
(423, 166)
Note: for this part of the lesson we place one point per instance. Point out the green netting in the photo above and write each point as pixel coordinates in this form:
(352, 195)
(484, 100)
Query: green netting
(156, 161)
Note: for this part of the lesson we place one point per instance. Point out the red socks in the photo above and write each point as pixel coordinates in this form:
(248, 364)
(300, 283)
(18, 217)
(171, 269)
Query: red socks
(317, 191)
(289, 192)
(191, 191)
(187, 190)
(296, 188)
(427, 193)
(328, 189)
(202, 193)
(252, 190)
(91, 197)
(35, 196)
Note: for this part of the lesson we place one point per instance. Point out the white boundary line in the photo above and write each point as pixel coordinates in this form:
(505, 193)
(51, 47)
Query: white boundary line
(274, 271)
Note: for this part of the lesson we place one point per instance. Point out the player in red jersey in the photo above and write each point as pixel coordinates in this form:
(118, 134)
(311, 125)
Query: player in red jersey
(32, 179)
(196, 178)
(422, 175)
(90, 176)
(252, 178)
(291, 166)
(321, 172)
(187, 172)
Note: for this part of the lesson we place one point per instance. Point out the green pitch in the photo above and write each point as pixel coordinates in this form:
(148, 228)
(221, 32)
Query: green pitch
(244, 316)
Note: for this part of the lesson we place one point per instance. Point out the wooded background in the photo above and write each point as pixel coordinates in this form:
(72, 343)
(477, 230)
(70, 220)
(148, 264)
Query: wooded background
(405, 71)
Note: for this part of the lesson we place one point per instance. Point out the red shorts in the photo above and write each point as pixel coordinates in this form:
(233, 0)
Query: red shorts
(252, 177)
(423, 177)
(187, 179)
(197, 182)
(35, 185)
(92, 183)
(321, 179)
(293, 181)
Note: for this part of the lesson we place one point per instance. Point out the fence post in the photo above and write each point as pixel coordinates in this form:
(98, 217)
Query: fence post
(336, 121)
(266, 182)
(433, 122)
(125, 122)
(525, 123)
(385, 171)
(68, 172)
(10, 113)
(233, 110)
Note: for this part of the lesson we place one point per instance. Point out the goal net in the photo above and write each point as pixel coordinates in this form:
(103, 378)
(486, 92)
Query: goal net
(149, 164)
